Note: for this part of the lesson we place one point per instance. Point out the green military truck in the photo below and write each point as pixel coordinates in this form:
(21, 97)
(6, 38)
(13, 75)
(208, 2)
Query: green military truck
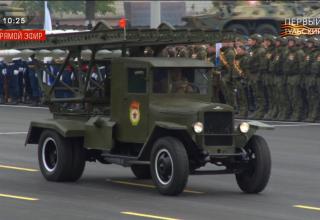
(152, 114)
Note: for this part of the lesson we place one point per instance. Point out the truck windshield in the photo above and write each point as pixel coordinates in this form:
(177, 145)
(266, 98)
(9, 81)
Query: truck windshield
(181, 80)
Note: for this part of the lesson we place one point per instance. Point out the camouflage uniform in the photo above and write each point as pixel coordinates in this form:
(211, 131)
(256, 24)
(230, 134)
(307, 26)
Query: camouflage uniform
(269, 78)
(227, 57)
(241, 72)
(201, 53)
(183, 52)
(312, 81)
(293, 67)
(281, 109)
(257, 70)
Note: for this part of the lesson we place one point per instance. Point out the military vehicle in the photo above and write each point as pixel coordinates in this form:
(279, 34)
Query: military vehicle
(246, 18)
(153, 114)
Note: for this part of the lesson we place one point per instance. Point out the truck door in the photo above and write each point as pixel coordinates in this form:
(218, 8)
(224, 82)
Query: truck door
(135, 110)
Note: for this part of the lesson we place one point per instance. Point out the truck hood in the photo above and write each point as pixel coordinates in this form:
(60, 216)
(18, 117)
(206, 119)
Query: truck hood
(186, 106)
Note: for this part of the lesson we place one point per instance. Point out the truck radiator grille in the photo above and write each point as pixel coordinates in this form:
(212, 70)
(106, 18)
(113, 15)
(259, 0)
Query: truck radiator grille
(220, 126)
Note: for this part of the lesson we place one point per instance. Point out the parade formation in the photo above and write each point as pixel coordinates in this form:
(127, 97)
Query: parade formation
(263, 77)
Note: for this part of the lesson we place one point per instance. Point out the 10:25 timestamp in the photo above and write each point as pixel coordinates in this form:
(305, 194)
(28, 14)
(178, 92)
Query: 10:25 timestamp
(8, 20)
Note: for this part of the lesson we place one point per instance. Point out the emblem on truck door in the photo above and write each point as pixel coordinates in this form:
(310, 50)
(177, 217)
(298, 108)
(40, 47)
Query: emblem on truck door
(134, 113)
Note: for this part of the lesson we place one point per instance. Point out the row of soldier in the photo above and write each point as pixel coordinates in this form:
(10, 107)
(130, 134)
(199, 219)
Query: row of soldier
(20, 80)
(279, 77)
(18, 83)
(264, 77)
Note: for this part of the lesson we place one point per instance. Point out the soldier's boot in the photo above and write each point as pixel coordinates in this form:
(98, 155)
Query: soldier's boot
(314, 114)
(284, 113)
(270, 113)
(296, 116)
(274, 112)
(309, 117)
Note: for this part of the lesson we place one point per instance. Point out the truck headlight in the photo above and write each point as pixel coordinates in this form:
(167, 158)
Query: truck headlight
(244, 127)
(198, 127)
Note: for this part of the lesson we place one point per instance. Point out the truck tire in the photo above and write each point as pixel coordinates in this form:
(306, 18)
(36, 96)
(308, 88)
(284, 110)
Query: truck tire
(59, 160)
(169, 165)
(256, 175)
(239, 28)
(78, 161)
(267, 29)
(141, 171)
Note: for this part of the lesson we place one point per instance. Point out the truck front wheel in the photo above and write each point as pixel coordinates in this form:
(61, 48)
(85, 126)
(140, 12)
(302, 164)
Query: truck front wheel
(59, 159)
(169, 165)
(254, 178)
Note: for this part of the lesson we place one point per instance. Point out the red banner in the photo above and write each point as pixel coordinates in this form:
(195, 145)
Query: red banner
(22, 35)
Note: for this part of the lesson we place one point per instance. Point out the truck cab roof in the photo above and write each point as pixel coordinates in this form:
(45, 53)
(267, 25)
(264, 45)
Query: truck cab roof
(166, 62)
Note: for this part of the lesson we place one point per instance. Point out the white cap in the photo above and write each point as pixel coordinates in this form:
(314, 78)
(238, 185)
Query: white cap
(47, 59)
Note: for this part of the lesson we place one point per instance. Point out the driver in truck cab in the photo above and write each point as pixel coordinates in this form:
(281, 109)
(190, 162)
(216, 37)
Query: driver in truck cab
(180, 83)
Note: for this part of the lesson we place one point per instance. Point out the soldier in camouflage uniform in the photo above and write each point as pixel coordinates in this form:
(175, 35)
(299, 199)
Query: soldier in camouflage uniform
(190, 49)
(281, 108)
(202, 53)
(183, 52)
(269, 78)
(293, 67)
(241, 67)
(312, 86)
(227, 57)
(257, 70)
(169, 51)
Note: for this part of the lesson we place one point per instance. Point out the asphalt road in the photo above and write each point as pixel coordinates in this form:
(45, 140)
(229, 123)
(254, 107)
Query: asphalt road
(112, 192)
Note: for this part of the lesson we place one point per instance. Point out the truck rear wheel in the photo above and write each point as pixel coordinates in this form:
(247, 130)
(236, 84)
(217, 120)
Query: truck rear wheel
(169, 166)
(256, 175)
(141, 171)
(59, 159)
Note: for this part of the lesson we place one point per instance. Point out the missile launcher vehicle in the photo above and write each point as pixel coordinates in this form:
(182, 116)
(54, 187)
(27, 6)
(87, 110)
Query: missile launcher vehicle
(152, 114)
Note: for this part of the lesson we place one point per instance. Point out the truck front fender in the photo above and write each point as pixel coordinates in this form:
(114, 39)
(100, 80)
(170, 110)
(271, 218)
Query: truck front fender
(66, 128)
(242, 139)
(162, 129)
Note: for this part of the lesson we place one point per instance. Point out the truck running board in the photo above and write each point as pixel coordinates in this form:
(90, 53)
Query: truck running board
(122, 160)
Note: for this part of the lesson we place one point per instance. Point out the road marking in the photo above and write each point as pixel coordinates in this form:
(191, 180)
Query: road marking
(18, 168)
(14, 132)
(149, 186)
(18, 197)
(24, 106)
(307, 207)
(148, 216)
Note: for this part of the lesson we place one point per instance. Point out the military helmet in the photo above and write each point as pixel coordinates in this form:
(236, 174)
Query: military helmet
(293, 38)
(270, 38)
(313, 40)
(256, 37)
(283, 40)
(302, 40)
